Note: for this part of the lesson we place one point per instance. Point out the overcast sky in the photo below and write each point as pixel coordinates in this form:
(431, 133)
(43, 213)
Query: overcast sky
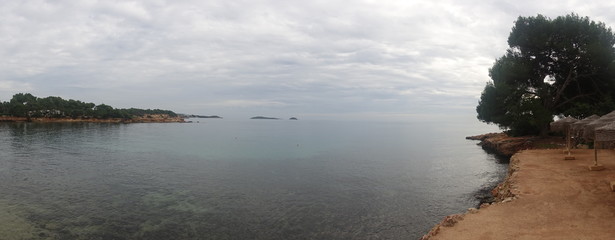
(310, 59)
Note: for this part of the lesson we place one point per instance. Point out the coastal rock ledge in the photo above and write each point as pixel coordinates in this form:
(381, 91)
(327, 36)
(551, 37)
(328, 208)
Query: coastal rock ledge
(504, 145)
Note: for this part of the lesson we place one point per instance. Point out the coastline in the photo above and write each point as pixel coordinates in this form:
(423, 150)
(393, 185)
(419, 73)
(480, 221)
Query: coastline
(502, 193)
(145, 119)
(506, 146)
(542, 196)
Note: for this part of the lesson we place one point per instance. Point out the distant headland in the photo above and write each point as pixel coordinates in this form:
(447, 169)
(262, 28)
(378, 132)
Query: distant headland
(266, 118)
(272, 118)
(24, 107)
(199, 116)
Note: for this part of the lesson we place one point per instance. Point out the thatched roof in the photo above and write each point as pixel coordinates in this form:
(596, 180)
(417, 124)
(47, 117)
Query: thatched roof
(577, 127)
(610, 115)
(589, 129)
(606, 133)
(562, 124)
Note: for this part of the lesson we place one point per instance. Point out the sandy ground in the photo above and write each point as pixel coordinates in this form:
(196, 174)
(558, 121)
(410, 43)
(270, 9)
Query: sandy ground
(555, 199)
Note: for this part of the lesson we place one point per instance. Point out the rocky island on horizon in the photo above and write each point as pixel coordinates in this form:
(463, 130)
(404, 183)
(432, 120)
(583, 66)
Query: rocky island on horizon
(266, 118)
(272, 118)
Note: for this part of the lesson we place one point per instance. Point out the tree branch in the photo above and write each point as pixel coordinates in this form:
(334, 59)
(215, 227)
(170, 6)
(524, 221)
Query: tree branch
(561, 90)
(575, 97)
(530, 92)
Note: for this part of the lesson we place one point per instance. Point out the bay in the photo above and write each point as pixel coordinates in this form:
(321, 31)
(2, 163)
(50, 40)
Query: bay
(230, 179)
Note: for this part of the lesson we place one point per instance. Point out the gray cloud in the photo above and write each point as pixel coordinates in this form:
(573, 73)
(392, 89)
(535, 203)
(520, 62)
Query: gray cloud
(237, 58)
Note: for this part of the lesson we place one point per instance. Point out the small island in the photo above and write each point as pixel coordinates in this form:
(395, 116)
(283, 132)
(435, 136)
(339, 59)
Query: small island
(24, 107)
(293, 118)
(266, 118)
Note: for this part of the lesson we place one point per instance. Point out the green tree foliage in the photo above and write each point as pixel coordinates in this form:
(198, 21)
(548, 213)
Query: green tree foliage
(562, 66)
(27, 105)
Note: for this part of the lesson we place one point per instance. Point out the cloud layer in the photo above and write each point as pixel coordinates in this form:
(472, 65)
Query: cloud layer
(264, 57)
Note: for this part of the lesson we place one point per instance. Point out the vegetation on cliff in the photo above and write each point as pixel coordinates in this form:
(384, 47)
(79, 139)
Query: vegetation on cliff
(562, 66)
(29, 106)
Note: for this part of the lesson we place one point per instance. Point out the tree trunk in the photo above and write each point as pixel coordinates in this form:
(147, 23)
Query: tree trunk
(544, 130)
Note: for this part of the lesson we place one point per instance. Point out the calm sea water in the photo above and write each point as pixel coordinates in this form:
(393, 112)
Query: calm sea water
(225, 179)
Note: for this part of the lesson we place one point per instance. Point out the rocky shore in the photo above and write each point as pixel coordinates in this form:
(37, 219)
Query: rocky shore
(502, 193)
(159, 118)
(543, 197)
(504, 145)
(540, 192)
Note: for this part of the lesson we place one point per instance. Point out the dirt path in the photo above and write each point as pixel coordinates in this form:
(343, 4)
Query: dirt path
(555, 199)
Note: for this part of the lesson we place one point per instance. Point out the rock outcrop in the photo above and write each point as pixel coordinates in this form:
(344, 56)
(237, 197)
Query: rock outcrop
(448, 221)
(504, 145)
(503, 191)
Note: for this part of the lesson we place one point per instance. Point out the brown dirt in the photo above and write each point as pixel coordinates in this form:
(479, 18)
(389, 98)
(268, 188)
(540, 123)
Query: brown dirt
(553, 199)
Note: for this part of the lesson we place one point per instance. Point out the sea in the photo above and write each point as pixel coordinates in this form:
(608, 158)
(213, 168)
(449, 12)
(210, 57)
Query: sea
(239, 179)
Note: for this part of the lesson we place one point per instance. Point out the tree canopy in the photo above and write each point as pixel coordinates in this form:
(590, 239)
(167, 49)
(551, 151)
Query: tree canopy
(27, 105)
(562, 66)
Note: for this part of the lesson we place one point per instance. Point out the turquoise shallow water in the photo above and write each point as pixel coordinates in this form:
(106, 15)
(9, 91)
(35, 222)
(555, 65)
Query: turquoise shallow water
(253, 179)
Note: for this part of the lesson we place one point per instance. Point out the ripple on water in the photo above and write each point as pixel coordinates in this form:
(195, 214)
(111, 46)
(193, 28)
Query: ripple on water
(180, 181)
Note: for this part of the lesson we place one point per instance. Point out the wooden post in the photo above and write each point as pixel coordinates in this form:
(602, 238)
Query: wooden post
(595, 153)
(568, 145)
(568, 141)
(596, 166)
